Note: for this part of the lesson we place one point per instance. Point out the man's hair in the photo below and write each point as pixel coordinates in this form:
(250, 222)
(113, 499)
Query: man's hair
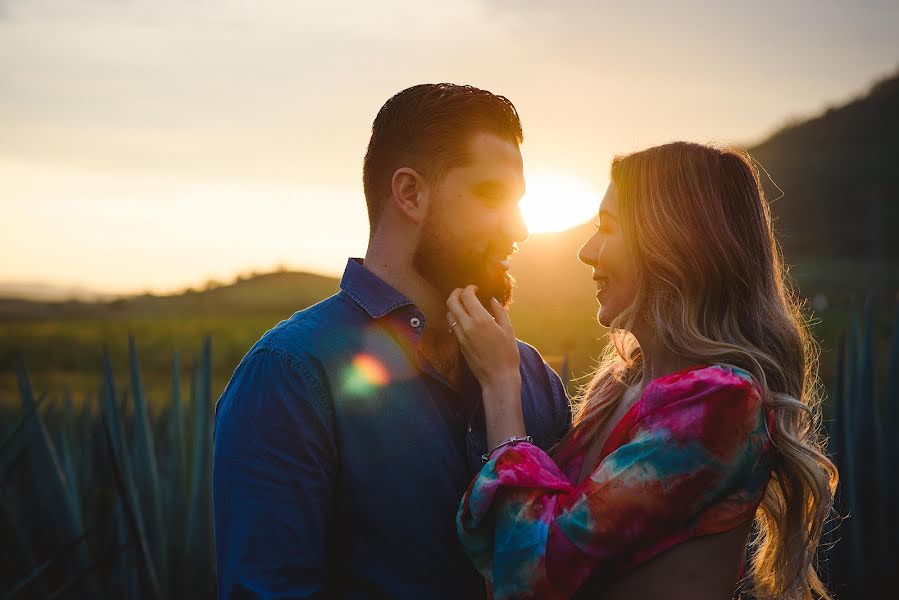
(427, 127)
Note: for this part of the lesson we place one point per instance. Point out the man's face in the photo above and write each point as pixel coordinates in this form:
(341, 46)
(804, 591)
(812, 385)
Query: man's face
(474, 222)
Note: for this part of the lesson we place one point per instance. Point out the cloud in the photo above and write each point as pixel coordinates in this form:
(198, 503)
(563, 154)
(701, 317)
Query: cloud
(157, 84)
(257, 97)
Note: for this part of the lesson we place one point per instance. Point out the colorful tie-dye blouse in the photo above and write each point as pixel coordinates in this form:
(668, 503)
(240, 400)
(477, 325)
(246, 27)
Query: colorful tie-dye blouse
(690, 458)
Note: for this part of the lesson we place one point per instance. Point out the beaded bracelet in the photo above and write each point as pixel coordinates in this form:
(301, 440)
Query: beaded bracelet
(511, 440)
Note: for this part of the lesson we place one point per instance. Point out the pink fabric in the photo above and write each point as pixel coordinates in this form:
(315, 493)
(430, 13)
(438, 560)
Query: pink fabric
(690, 458)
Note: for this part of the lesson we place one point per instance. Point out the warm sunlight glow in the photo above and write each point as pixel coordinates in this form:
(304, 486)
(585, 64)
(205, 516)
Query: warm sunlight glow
(557, 202)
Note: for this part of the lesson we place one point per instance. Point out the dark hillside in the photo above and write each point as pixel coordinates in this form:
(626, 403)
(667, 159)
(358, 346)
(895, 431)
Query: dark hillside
(839, 174)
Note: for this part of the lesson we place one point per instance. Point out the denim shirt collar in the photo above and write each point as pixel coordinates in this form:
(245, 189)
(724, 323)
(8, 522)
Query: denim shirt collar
(372, 293)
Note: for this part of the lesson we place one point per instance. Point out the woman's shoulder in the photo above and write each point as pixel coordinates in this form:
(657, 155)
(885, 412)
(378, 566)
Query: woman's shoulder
(718, 394)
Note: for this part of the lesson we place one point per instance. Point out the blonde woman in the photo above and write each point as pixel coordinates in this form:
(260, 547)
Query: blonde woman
(701, 418)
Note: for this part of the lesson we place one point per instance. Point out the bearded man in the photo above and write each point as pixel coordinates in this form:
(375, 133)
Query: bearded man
(349, 432)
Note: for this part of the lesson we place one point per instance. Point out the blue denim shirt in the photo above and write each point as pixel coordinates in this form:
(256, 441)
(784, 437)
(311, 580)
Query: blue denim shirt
(341, 454)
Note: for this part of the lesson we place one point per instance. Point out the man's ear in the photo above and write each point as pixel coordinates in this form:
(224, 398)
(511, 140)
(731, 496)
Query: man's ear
(409, 193)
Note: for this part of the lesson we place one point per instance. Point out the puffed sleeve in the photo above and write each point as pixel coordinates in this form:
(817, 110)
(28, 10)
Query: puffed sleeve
(688, 463)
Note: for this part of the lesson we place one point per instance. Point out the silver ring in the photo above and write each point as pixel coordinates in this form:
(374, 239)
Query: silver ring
(453, 325)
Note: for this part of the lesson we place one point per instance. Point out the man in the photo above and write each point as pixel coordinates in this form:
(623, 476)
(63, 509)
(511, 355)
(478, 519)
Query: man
(349, 432)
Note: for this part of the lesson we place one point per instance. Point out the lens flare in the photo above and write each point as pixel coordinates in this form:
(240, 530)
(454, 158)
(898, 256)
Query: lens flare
(371, 369)
(365, 374)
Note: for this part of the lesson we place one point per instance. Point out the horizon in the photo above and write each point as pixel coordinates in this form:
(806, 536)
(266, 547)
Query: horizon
(149, 149)
(38, 291)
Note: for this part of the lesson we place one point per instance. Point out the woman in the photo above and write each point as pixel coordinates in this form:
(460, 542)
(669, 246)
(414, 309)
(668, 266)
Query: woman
(701, 418)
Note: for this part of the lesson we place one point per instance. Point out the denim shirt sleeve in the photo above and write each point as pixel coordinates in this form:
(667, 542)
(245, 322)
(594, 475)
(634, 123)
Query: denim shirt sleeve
(274, 464)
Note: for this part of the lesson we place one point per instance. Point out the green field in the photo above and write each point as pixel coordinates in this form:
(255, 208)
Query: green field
(554, 310)
(63, 356)
(66, 355)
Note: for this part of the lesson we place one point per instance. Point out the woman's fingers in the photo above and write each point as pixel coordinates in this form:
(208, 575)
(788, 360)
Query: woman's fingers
(454, 326)
(474, 307)
(501, 315)
(487, 341)
(467, 312)
(457, 310)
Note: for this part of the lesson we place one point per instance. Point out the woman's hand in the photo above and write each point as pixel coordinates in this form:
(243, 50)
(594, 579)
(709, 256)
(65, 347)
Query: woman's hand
(487, 340)
(489, 346)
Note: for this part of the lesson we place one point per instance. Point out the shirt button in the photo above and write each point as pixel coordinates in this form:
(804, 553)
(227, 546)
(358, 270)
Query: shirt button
(415, 322)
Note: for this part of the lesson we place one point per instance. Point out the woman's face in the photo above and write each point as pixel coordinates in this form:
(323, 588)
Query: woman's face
(614, 267)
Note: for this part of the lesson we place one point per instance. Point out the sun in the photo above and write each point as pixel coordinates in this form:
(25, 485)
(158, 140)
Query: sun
(555, 202)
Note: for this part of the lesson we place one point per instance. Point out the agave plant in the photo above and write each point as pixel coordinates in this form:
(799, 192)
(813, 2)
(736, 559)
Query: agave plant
(864, 443)
(109, 501)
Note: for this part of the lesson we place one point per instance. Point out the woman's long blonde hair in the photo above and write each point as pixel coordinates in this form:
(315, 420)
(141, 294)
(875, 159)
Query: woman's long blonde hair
(713, 285)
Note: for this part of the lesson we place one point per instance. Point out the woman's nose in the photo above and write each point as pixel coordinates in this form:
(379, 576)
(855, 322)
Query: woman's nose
(590, 250)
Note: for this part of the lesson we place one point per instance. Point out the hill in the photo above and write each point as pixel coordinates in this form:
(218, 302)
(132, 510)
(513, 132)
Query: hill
(840, 180)
(840, 202)
(270, 292)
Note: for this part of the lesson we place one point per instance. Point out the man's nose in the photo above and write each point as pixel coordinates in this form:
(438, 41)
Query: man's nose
(518, 228)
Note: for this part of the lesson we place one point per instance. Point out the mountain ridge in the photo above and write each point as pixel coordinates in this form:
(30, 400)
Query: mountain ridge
(860, 136)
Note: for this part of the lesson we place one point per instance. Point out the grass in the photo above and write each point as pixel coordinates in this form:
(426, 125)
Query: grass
(62, 345)
(66, 356)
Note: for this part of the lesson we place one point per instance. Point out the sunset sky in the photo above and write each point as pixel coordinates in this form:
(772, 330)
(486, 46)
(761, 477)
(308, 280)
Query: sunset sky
(149, 145)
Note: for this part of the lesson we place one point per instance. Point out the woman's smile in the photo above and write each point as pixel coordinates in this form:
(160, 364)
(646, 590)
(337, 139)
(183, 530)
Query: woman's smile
(602, 285)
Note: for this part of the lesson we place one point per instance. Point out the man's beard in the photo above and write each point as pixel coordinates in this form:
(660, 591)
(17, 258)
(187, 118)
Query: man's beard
(447, 264)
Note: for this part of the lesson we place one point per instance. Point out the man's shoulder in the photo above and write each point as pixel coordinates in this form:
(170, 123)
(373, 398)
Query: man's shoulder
(530, 356)
(308, 331)
(535, 369)
(545, 391)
